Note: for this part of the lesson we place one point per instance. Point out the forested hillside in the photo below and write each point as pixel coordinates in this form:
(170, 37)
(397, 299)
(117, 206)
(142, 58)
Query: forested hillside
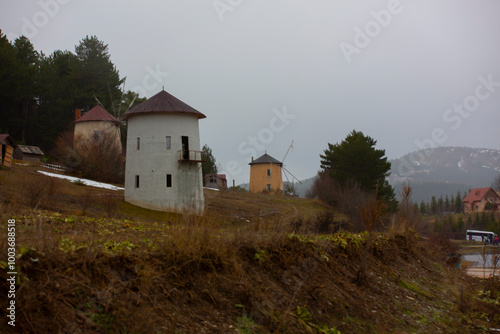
(445, 170)
(39, 93)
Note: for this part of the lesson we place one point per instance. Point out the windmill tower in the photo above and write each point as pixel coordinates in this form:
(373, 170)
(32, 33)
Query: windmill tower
(97, 124)
(265, 175)
(163, 166)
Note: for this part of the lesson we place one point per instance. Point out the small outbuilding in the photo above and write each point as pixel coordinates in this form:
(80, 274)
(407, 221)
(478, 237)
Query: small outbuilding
(215, 181)
(28, 153)
(266, 175)
(7, 149)
(478, 199)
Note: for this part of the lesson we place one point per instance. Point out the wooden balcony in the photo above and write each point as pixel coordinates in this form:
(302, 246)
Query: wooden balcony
(192, 156)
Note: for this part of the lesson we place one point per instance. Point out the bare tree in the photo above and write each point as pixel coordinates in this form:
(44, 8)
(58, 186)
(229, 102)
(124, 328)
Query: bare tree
(96, 158)
(496, 183)
(407, 217)
(347, 199)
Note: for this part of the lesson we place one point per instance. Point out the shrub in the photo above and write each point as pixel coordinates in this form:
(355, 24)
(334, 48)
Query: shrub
(97, 159)
(347, 199)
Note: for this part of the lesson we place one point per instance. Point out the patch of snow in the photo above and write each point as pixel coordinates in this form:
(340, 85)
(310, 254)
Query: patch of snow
(486, 166)
(85, 181)
(215, 189)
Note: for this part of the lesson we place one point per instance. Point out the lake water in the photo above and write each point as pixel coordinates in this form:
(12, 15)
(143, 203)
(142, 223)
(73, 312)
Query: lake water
(477, 259)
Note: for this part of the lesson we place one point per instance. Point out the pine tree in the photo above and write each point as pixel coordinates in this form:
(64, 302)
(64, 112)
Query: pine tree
(209, 165)
(447, 204)
(440, 205)
(423, 209)
(434, 206)
(458, 203)
(355, 160)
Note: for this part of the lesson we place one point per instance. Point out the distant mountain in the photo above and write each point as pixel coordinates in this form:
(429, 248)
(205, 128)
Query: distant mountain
(302, 187)
(436, 172)
(445, 170)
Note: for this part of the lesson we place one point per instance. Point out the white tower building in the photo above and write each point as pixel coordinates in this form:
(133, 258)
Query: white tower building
(163, 166)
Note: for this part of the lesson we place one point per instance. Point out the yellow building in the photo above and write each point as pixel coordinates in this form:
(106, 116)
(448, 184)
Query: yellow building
(265, 175)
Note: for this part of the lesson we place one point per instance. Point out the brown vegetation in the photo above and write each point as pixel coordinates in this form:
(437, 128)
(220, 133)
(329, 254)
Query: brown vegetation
(144, 272)
(99, 160)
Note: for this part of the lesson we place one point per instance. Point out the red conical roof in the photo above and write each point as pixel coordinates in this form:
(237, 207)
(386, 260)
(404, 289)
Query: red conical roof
(97, 113)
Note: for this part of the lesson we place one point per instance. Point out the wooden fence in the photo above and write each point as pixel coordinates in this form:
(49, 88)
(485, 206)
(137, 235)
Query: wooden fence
(27, 163)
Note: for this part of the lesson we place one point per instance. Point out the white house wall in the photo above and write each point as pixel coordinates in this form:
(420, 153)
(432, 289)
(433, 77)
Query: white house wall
(152, 162)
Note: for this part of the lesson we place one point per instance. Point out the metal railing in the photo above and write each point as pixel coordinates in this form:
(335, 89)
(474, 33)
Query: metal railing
(192, 156)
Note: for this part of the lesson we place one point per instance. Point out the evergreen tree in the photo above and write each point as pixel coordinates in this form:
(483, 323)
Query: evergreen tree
(458, 203)
(96, 76)
(55, 97)
(440, 205)
(447, 204)
(434, 205)
(492, 224)
(423, 209)
(356, 161)
(9, 85)
(416, 208)
(209, 166)
(27, 73)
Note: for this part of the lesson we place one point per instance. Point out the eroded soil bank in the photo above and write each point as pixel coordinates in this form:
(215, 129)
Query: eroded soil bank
(266, 284)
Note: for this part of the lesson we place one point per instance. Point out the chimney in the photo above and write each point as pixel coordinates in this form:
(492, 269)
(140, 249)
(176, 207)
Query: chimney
(252, 158)
(78, 114)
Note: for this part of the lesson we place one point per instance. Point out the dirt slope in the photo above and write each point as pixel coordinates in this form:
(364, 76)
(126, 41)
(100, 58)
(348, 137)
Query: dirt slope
(127, 270)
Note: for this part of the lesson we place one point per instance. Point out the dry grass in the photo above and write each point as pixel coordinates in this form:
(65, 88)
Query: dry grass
(141, 271)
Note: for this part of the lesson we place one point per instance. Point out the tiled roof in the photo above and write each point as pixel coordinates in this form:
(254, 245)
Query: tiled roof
(97, 113)
(162, 102)
(478, 194)
(266, 159)
(30, 149)
(5, 139)
(220, 176)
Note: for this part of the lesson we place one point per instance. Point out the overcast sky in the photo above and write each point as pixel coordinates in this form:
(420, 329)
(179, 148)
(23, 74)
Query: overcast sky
(410, 74)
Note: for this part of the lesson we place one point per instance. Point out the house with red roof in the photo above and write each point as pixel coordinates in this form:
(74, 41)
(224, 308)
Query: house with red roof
(215, 181)
(478, 198)
(96, 125)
